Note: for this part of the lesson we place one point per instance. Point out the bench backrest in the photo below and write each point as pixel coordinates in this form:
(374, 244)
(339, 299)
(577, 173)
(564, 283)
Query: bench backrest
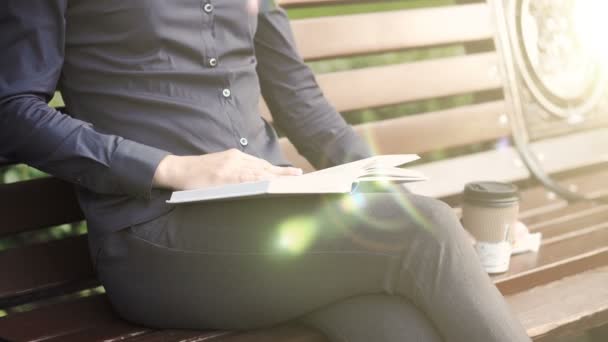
(444, 57)
(437, 67)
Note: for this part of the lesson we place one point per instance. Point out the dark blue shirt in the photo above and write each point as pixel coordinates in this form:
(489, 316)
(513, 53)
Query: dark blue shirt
(145, 78)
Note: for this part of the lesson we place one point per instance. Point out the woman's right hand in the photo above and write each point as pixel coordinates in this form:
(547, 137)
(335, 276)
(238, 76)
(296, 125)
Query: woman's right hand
(227, 167)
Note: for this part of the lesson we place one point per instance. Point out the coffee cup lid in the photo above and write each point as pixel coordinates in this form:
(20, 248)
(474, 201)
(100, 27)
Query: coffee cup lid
(491, 193)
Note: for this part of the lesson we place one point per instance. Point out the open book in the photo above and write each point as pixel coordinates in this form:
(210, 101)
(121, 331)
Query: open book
(337, 179)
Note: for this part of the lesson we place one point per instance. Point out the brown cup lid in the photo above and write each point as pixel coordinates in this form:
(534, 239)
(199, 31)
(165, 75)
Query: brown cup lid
(492, 194)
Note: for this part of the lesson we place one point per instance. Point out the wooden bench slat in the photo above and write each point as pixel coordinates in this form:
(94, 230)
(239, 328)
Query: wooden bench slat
(537, 202)
(53, 265)
(35, 204)
(583, 216)
(574, 303)
(536, 205)
(92, 319)
(410, 134)
(60, 320)
(560, 154)
(292, 332)
(568, 225)
(179, 336)
(555, 260)
(556, 209)
(367, 33)
(399, 83)
(118, 330)
(393, 84)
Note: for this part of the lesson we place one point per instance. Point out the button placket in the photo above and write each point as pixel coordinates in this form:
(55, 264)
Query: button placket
(209, 55)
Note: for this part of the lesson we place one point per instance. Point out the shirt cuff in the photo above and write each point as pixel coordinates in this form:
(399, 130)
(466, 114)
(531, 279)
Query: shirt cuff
(134, 165)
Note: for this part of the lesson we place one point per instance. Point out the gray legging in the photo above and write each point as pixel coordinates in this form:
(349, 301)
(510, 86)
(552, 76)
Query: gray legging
(250, 263)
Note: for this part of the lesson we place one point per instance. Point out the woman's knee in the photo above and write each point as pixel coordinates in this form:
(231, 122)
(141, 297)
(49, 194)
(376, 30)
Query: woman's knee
(379, 318)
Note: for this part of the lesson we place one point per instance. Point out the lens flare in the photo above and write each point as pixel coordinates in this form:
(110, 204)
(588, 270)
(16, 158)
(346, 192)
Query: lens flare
(253, 6)
(502, 144)
(296, 234)
(356, 216)
(353, 202)
(367, 134)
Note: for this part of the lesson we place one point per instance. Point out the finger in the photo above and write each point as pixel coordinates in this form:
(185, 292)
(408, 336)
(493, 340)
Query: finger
(285, 171)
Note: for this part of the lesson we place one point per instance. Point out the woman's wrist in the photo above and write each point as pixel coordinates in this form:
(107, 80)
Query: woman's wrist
(165, 175)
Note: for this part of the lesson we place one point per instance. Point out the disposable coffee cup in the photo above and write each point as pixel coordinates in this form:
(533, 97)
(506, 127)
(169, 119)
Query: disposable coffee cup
(489, 213)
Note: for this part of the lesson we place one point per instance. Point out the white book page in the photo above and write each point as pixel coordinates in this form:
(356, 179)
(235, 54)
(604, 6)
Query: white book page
(340, 179)
(391, 173)
(312, 183)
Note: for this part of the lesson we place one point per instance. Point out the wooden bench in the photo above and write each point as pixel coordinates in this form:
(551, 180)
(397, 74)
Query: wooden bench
(50, 291)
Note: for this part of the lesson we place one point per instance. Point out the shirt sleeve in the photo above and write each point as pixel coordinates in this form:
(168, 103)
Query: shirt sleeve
(32, 45)
(295, 100)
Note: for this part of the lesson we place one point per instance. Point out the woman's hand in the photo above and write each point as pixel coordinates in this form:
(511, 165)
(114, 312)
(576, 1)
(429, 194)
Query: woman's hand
(227, 167)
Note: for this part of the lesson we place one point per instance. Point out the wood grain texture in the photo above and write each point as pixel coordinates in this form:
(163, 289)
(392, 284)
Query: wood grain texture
(399, 83)
(57, 322)
(559, 154)
(425, 132)
(537, 201)
(38, 203)
(348, 35)
(570, 255)
(574, 303)
(393, 84)
(40, 267)
(5, 162)
(436, 130)
(92, 319)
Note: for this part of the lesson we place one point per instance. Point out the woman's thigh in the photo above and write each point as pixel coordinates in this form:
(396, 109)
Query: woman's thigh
(382, 222)
(251, 263)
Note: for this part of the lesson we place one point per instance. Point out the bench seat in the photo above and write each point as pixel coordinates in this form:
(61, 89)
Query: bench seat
(92, 319)
(574, 250)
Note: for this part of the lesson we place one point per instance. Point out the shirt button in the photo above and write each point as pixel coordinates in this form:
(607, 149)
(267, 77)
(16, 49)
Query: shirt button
(226, 92)
(243, 142)
(212, 62)
(208, 8)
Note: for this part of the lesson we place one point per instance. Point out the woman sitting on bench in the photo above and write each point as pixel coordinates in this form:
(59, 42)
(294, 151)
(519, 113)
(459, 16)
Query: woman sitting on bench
(163, 96)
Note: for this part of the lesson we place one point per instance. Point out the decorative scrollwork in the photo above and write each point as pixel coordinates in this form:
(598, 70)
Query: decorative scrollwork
(559, 74)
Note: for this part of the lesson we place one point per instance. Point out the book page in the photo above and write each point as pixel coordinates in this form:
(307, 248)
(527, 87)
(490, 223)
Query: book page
(339, 179)
(378, 173)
